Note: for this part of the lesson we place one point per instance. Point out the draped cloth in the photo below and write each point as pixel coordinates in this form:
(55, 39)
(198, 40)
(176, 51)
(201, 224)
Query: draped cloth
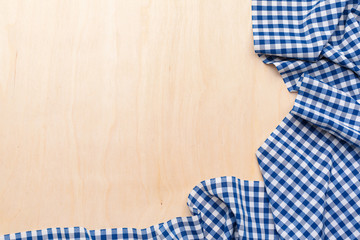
(221, 208)
(310, 163)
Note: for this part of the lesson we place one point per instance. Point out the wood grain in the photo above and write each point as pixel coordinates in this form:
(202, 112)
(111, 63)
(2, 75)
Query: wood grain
(112, 111)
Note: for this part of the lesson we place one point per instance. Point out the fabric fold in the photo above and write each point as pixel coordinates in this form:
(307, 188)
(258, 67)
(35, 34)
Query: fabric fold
(335, 62)
(329, 108)
(296, 177)
(306, 26)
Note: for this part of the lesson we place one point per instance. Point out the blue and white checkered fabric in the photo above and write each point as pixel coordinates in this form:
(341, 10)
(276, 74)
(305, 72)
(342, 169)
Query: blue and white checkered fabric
(222, 208)
(311, 162)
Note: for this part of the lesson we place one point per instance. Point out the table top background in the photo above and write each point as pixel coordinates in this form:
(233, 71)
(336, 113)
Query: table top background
(112, 111)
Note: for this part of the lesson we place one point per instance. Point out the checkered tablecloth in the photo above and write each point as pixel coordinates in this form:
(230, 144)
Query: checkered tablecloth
(310, 163)
(222, 208)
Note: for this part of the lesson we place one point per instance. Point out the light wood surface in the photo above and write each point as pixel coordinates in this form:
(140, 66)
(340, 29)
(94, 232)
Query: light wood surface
(112, 111)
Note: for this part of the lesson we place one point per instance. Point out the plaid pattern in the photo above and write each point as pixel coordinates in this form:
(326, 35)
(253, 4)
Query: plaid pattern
(222, 208)
(310, 163)
(50, 233)
(333, 57)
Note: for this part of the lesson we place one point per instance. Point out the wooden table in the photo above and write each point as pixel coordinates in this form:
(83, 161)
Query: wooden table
(112, 111)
